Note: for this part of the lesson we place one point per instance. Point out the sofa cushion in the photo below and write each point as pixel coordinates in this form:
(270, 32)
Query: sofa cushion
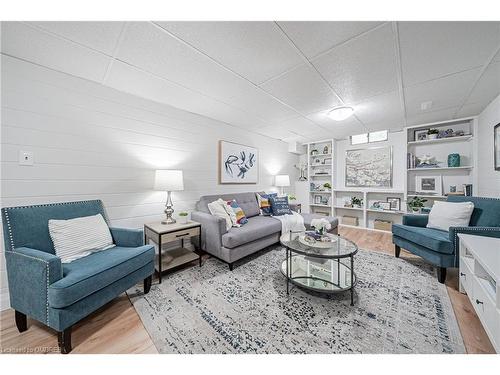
(87, 275)
(256, 228)
(434, 239)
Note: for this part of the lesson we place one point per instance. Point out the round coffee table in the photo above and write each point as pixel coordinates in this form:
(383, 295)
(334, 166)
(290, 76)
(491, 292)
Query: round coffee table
(320, 268)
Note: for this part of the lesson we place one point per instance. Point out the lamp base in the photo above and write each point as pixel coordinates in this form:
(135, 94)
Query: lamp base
(169, 220)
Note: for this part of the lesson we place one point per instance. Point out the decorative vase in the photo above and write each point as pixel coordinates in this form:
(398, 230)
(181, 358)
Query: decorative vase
(454, 160)
(432, 136)
(182, 219)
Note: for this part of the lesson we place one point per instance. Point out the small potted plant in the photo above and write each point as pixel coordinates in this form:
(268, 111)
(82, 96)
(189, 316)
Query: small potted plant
(416, 204)
(356, 202)
(432, 134)
(327, 186)
(183, 217)
(292, 197)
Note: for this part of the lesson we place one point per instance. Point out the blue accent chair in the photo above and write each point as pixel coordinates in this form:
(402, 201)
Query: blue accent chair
(441, 247)
(59, 295)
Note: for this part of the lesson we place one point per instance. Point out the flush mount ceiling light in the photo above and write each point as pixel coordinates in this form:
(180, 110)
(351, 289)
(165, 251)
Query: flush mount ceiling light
(340, 113)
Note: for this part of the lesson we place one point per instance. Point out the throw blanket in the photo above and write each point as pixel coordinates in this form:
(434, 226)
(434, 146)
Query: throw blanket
(293, 222)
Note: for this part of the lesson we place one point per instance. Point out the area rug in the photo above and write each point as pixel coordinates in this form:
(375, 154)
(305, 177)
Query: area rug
(399, 308)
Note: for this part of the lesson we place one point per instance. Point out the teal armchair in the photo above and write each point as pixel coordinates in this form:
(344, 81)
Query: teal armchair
(439, 247)
(60, 294)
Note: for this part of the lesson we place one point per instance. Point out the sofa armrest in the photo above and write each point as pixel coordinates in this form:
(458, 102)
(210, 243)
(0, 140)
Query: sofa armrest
(212, 229)
(478, 231)
(127, 237)
(30, 272)
(416, 220)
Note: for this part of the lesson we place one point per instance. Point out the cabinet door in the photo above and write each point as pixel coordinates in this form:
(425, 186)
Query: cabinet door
(486, 309)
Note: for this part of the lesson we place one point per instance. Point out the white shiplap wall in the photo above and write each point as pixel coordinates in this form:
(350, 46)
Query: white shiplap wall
(488, 178)
(93, 142)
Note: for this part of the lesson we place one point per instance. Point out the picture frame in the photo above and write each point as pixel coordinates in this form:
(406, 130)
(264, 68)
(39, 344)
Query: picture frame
(369, 167)
(496, 146)
(317, 199)
(421, 134)
(386, 206)
(428, 185)
(238, 164)
(395, 203)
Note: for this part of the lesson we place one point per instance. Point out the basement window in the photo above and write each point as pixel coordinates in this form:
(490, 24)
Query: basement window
(378, 136)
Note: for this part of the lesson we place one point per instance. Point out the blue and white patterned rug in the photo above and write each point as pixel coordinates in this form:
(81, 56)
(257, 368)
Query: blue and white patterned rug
(399, 308)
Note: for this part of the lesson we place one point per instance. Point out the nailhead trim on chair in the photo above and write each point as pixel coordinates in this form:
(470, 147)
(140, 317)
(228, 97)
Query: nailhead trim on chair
(472, 229)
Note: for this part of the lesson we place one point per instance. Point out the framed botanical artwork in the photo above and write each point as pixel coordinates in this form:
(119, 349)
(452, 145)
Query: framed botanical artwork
(238, 164)
(496, 137)
(421, 134)
(369, 167)
(428, 184)
(395, 203)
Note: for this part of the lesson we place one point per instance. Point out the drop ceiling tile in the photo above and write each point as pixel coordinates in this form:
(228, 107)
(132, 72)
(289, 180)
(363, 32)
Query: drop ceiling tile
(300, 125)
(434, 116)
(472, 109)
(434, 49)
(256, 50)
(131, 80)
(277, 132)
(488, 86)
(36, 46)
(313, 38)
(303, 89)
(385, 108)
(363, 67)
(102, 36)
(445, 92)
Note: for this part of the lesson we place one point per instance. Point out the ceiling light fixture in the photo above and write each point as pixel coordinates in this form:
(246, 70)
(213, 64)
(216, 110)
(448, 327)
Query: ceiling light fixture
(340, 113)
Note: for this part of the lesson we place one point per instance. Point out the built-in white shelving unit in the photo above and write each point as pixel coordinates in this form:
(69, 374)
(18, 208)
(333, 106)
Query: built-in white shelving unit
(439, 149)
(320, 171)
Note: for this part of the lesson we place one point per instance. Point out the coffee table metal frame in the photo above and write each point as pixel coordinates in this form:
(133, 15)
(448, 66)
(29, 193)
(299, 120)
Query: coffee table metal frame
(290, 279)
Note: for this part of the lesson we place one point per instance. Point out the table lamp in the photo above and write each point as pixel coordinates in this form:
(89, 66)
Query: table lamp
(281, 181)
(169, 180)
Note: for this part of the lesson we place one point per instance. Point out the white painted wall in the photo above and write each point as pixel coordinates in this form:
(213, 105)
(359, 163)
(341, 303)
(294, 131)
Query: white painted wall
(93, 142)
(398, 143)
(488, 178)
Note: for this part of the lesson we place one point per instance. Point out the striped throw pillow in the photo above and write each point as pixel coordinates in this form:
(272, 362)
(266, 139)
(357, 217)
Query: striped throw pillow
(239, 217)
(76, 238)
(265, 203)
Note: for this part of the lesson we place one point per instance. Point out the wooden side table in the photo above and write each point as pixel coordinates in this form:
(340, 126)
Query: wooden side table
(164, 233)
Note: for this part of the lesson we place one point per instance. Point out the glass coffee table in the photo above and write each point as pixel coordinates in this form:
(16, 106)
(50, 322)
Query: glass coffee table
(319, 266)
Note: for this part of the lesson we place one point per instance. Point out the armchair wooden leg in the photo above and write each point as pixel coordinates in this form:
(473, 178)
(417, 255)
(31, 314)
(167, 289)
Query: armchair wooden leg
(64, 340)
(147, 284)
(441, 273)
(21, 321)
(397, 251)
(231, 266)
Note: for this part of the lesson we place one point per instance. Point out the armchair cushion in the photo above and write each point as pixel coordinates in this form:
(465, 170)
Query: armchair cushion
(434, 239)
(416, 220)
(87, 275)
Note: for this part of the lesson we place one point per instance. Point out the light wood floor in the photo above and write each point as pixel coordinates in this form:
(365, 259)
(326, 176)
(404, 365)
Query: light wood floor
(116, 328)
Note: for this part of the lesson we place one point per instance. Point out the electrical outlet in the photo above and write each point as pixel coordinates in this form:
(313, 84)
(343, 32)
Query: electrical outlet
(26, 158)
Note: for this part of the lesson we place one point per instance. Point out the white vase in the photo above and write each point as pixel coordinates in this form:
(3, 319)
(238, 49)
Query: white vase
(432, 136)
(182, 219)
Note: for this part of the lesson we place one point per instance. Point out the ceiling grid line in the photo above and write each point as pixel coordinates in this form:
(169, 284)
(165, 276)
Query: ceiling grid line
(399, 66)
(116, 49)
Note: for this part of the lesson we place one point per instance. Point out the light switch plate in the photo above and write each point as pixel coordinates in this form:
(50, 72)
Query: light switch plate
(26, 158)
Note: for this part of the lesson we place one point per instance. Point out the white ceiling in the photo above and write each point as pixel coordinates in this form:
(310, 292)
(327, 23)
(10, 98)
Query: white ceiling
(280, 79)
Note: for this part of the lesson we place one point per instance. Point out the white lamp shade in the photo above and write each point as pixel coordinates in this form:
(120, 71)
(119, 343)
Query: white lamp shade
(282, 180)
(169, 180)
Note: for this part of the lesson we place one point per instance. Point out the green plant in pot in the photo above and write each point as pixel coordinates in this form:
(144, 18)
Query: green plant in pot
(432, 133)
(292, 197)
(356, 202)
(327, 186)
(416, 204)
(183, 217)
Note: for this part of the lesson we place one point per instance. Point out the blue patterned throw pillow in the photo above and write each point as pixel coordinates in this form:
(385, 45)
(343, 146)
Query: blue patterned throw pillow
(279, 206)
(265, 203)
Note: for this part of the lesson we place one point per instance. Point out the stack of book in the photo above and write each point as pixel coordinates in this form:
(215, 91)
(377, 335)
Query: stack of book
(411, 160)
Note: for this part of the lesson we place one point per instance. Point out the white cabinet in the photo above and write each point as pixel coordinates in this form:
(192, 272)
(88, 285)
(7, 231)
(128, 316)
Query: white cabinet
(480, 279)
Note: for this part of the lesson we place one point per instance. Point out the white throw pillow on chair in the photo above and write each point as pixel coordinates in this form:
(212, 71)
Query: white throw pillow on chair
(76, 238)
(444, 215)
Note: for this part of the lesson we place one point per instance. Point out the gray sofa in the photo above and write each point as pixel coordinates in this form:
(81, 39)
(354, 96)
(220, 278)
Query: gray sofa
(236, 243)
